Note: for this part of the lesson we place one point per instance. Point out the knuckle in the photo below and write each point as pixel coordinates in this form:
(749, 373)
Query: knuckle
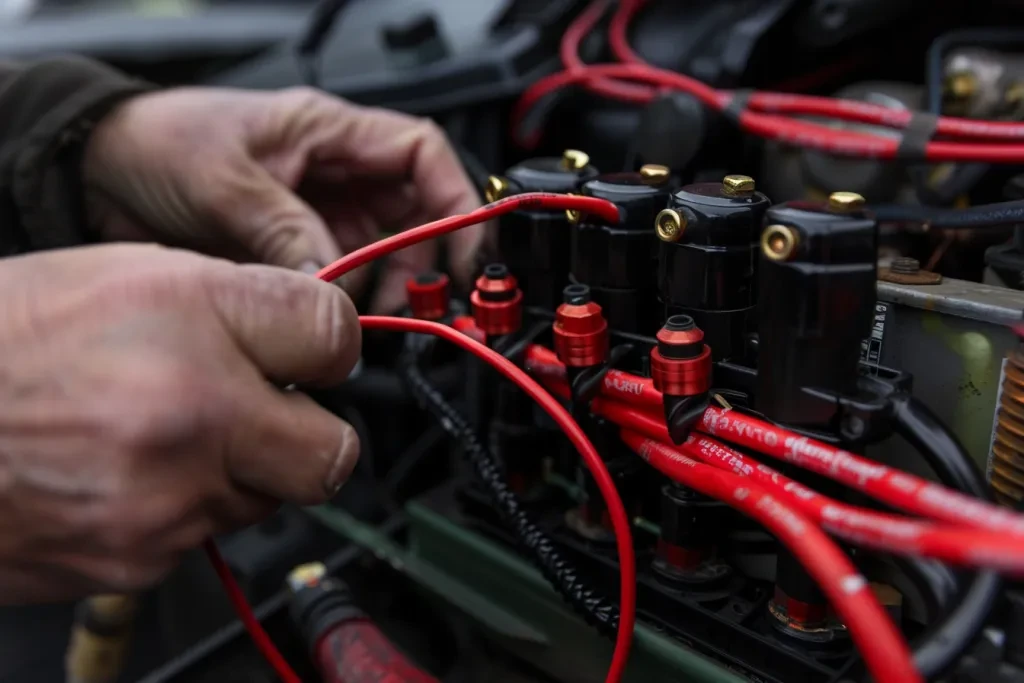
(301, 96)
(337, 325)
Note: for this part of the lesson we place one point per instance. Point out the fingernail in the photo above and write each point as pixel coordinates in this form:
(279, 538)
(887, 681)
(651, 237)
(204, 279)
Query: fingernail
(310, 267)
(344, 462)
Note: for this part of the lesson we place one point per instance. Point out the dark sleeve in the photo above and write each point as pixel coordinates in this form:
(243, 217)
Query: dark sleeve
(47, 110)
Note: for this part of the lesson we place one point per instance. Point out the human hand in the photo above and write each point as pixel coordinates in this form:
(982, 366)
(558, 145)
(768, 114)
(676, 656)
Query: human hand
(291, 178)
(140, 414)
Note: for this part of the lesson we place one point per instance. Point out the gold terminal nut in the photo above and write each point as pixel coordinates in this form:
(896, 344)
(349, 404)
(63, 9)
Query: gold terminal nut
(654, 174)
(496, 189)
(961, 85)
(737, 185)
(779, 242)
(845, 201)
(306, 575)
(670, 225)
(575, 160)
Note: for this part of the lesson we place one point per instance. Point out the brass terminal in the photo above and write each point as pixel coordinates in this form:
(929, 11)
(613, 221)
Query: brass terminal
(496, 189)
(845, 201)
(961, 85)
(670, 225)
(735, 185)
(306, 575)
(654, 173)
(778, 242)
(575, 160)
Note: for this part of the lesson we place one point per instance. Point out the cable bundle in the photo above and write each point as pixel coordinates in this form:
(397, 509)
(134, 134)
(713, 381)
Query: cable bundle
(766, 114)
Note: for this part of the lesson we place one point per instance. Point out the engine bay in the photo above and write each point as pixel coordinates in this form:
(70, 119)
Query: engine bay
(737, 394)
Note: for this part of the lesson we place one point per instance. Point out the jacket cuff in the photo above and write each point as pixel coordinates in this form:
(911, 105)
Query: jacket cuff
(61, 100)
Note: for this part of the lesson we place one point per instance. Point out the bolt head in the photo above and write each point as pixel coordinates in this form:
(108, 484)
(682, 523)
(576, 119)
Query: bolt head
(737, 184)
(495, 189)
(654, 173)
(669, 225)
(845, 201)
(575, 160)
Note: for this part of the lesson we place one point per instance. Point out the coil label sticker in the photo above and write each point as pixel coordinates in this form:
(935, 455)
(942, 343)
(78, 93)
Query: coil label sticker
(871, 348)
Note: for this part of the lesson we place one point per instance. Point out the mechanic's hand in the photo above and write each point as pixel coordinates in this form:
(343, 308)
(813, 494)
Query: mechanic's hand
(215, 170)
(140, 413)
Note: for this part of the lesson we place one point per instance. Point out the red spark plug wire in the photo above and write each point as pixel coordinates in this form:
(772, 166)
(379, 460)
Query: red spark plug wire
(569, 51)
(829, 107)
(884, 650)
(958, 545)
(893, 487)
(779, 128)
(616, 511)
(532, 201)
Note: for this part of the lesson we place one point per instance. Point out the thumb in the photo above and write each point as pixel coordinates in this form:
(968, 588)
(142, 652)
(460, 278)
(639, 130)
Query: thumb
(272, 222)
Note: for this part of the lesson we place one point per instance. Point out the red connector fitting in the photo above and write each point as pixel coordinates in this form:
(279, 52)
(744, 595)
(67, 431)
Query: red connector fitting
(580, 330)
(497, 302)
(681, 363)
(428, 296)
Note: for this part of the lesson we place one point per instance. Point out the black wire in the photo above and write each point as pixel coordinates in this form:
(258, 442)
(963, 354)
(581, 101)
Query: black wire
(916, 423)
(997, 215)
(939, 649)
(560, 572)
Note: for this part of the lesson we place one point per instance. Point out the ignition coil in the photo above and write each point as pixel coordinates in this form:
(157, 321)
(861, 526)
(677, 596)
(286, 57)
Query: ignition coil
(707, 259)
(535, 244)
(815, 305)
(618, 261)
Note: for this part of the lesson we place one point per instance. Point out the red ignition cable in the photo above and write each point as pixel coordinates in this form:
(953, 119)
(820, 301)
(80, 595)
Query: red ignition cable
(896, 488)
(428, 295)
(497, 302)
(532, 201)
(681, 371)
(623, 386)
(883, 649)
(878, 530)
(893, 487)
(346, 646)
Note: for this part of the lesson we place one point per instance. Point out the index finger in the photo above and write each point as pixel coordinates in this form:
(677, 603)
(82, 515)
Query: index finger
(379, 142)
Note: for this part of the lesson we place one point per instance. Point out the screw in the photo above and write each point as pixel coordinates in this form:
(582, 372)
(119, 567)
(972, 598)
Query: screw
(574, 216)
(737, 185)
(654, 173)
(778, 242)
(905, 266)
(669, 225)
(574, 160)
(496, 188)
(845, 201)
(961, 85)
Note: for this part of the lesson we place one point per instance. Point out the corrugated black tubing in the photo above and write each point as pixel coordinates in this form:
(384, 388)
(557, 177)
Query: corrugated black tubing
(595, 608)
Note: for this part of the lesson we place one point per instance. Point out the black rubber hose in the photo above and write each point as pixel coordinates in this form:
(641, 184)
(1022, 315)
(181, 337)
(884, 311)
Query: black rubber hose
(997, 215)
(916, 423)
(937, 650)
(560, 572)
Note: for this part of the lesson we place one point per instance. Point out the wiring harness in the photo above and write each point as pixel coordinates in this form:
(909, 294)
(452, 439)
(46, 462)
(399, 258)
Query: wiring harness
(595, 608)
(767, 114)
